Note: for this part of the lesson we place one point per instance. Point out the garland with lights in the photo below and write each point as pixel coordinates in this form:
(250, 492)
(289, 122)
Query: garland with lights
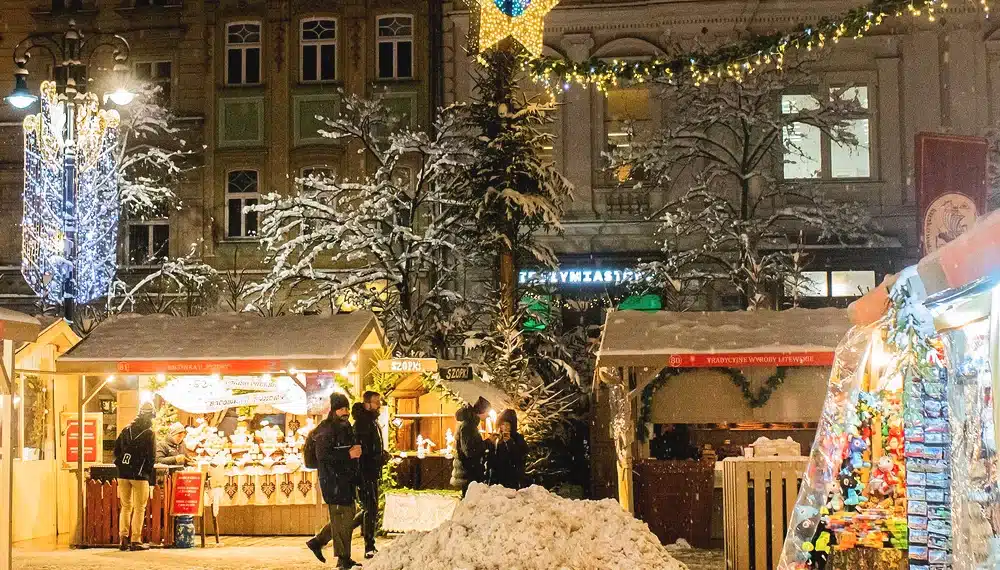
(736, 60)
(736, 376)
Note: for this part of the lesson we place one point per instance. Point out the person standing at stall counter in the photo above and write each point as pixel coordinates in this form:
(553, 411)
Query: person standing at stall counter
(470, 449)
(171, 450)
(373, 458)
(332, 448)
(135, 455)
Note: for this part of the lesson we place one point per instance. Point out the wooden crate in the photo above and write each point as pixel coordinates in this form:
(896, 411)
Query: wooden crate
(759, 497)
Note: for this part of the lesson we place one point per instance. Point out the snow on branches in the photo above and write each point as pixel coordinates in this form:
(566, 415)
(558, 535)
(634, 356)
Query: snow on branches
(384, 240)
(730, 219)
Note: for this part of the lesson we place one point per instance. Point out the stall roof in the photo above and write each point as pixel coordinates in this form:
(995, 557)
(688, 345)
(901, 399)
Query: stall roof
(233, 343)
(803, 337)
(18, 326)
(470, 390)
(969, 257)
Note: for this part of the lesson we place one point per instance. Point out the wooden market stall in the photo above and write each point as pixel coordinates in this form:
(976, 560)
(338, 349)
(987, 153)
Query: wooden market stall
(14, 327)
(248, 388)
(730, 377)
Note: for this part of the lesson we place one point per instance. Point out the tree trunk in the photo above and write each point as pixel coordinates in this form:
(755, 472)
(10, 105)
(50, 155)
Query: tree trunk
(508, 282)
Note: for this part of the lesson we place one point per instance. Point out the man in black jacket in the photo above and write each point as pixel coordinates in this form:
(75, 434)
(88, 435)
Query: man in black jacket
(332, 448)
(135, 455)
(373, 458)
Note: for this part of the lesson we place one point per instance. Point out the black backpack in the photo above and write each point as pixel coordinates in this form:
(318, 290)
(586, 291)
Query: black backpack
(131, 453)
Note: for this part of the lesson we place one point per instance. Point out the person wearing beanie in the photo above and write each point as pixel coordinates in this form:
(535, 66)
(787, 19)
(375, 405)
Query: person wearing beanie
(333, 450)
(171, 450)
(135, 454)
(470, 450)
(505, 453)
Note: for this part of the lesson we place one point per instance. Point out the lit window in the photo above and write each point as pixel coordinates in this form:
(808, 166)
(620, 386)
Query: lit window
(319, 50)
(241, 192)
(159, 74)
(395, 47)
(147, 242)
(627, 118)
(812, 154)
(851, 283)
(243, 53)
(809, 284)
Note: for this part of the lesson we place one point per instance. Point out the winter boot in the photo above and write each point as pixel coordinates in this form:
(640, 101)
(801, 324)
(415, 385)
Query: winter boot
(370, 553)
(138, 547)
(125, 544)
(317, 551)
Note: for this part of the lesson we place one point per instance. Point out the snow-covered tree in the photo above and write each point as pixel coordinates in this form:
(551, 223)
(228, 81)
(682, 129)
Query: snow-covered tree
(730, 219)
(384, 240)
(516, 193)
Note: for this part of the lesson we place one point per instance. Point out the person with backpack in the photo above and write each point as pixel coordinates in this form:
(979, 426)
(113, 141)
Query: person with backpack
(135, 455)
(333, 450)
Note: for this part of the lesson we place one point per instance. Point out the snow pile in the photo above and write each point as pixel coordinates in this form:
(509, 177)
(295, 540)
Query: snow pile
(500, 529)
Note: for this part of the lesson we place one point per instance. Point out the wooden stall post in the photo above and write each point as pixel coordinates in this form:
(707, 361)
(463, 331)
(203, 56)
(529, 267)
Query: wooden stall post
(7, 443)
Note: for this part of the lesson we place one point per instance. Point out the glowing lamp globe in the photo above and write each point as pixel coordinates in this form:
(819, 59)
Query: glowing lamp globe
(121, 96)
(20, 97)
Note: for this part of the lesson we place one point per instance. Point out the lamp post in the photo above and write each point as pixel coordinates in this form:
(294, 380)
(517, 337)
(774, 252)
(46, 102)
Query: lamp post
(71, 54)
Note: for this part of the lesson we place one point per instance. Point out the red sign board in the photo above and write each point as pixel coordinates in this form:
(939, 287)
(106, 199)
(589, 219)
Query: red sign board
(751, 359)
(188, 493)
(231, 367)
(90, 429)
(951, 186)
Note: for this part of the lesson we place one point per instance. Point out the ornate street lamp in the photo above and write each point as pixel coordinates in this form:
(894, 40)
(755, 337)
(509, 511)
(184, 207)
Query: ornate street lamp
(70, 224)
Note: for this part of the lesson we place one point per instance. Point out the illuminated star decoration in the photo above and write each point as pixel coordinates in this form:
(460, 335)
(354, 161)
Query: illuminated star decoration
(522, 20)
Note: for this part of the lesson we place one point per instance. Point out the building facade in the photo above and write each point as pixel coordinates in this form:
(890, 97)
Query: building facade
(246, 80)
(913, 76)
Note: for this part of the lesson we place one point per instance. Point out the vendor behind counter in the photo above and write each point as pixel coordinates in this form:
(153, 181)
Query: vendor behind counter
(170, 450)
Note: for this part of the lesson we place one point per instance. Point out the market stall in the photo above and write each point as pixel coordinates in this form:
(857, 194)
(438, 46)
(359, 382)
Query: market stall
(14, 327)
(904, 466)
(247, 390)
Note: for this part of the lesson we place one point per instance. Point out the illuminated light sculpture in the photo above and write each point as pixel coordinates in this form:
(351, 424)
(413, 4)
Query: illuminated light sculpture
(94, 216)
(495, 20)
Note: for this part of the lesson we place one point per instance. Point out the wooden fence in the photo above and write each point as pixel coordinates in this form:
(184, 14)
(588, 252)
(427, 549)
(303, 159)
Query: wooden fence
(103, 510)
(759, 497)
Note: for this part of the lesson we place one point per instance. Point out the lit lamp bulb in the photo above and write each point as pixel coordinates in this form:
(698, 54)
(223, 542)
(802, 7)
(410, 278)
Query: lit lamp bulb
(121, 96)
(20, 97)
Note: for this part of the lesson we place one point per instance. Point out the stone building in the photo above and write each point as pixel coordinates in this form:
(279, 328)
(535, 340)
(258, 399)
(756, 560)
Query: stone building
(246, 79)
(914, 75)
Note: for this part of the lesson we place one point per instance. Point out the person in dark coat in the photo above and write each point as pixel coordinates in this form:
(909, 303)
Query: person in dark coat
(171, 449)
(505, 453)
(135, 455)
(373, 458)
(333, 450)
(470, 449)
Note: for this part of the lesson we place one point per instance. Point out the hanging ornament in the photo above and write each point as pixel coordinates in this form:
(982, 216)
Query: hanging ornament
(495, 20)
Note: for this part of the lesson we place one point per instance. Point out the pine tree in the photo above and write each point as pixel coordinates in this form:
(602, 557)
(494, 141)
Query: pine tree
(516, 193)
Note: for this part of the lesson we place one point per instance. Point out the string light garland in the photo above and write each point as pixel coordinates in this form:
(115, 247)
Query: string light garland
(496, 20)
(734, 61)
(43, 264)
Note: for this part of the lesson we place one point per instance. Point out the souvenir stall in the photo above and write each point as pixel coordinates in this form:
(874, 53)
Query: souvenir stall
(420, 408)
(764, 373)
(247, 390)
(904, 468)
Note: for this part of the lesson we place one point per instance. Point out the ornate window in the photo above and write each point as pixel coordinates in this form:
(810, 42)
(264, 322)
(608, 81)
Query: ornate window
(242, 191)
(243, 45)
(395, 47)
(318, 50)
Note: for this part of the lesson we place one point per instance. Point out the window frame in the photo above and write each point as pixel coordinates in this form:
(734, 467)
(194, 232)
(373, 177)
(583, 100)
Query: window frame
(243, 197)
(243, 47)
(152, 64)
(823, 91)
(395, 41)
(828, 294)
(303, 43)
(149, 224)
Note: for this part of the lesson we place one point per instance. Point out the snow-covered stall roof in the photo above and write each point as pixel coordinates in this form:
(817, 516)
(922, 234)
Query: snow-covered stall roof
(134, 343)
(18, 326)
(721, 338)
(971, 256)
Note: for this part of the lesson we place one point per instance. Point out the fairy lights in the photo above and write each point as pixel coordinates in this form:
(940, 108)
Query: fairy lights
(734, 61)
(523, 20)
(43, 263)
